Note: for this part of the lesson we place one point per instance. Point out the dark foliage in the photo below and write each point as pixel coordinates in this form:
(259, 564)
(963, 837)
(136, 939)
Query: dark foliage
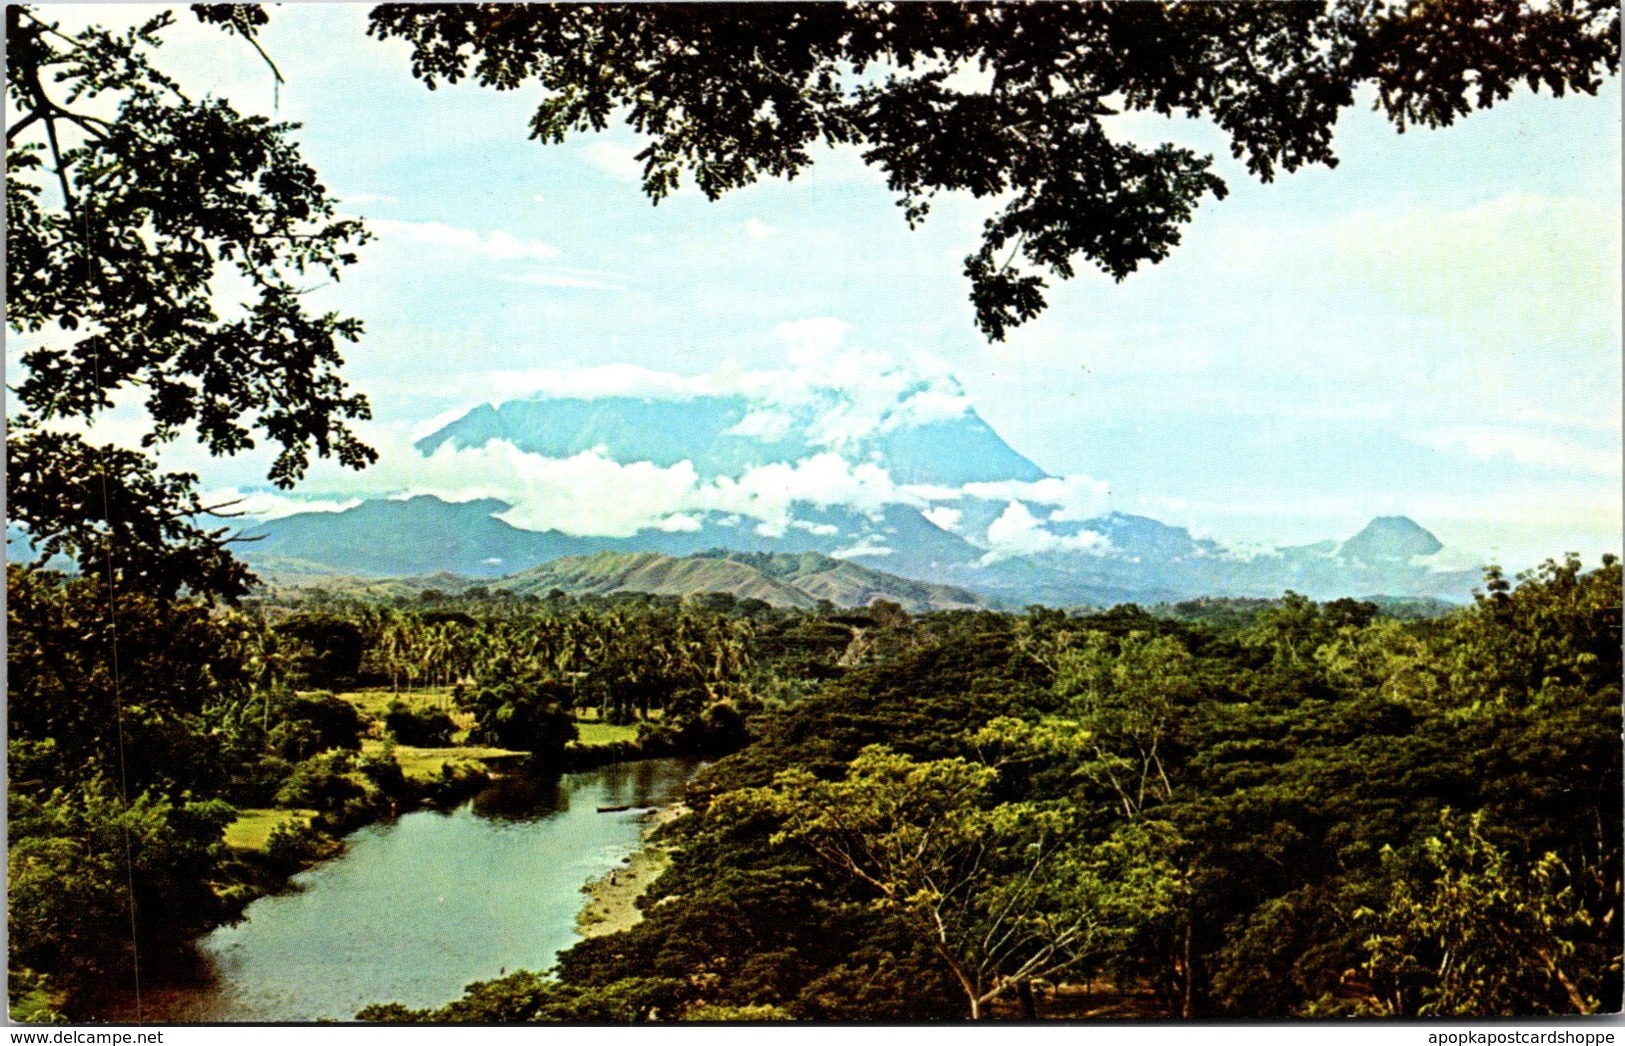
(1335, 801)
(730, 93)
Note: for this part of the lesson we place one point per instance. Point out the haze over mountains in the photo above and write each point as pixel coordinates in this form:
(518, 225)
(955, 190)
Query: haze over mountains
(910, 482)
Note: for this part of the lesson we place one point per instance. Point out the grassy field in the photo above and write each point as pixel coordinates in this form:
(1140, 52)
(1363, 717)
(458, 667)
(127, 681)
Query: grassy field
(375, 701)
(593, 732)
(424, 763)
(252, 829)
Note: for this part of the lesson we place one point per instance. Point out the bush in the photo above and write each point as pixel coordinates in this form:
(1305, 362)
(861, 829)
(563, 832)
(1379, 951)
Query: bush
(384, 773)
(720, 728)
(313, 723)
(424, 728)
(256, 783)
(456, 782)
(293, 845)
(321, 783)
(525, 716)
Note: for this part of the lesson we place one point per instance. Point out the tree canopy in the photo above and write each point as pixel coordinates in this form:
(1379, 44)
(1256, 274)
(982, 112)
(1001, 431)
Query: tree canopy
(993, 891)
(1304, 809)
(1008, 101)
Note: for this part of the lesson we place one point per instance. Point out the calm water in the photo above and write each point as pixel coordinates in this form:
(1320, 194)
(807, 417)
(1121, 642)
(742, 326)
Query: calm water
(418, 908)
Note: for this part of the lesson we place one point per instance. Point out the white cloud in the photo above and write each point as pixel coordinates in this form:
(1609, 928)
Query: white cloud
(943, 516)
(930, 406)
(1017, 532)
(495, 245)
(767, 425)
(588, 493)
(616, 159)
(756, 229)
(679, 524)
(769, 492)
(1536, 449)
(261, 505)
(866, 547)
(361, 199)
(811, 341)
(1448, 560)
(583, 494)
(1074, 498)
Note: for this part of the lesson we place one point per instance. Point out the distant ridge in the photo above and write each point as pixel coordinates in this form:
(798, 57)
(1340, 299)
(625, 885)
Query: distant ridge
(782, 580)
(1142, 561)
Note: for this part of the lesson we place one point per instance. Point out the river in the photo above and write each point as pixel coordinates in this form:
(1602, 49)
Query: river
(421, 906)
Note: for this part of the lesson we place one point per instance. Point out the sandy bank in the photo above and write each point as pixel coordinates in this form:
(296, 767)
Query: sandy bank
(611, 904)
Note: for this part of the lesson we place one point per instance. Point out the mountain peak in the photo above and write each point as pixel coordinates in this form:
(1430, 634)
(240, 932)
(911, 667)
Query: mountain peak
(728, 435)
(1390, 539)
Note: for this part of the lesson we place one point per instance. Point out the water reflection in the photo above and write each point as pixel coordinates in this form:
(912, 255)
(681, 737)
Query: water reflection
(522, 798)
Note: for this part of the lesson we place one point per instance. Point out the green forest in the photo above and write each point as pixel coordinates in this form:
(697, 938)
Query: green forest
(1216, 808)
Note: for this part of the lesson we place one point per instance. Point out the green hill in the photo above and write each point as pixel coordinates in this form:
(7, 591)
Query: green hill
(781, 579)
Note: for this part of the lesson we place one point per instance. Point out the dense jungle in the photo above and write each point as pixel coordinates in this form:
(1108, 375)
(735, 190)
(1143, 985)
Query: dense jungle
(1216, 808)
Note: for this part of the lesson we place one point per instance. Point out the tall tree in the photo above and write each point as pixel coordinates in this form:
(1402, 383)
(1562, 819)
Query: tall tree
(1005, 100)
(995, 890)
(130, 205)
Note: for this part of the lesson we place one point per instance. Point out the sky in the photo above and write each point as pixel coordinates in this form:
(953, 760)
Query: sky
(1431, 329)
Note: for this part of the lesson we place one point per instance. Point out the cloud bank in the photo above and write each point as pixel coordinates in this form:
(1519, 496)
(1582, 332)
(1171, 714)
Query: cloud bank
(837, 400)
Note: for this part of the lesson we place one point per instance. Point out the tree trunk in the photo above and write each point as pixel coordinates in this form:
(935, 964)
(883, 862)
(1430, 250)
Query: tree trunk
(1024, 988)
(1187, 1005)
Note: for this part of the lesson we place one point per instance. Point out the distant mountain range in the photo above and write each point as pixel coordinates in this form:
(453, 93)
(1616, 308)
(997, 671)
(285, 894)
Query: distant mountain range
(917, 490)
(965, 510)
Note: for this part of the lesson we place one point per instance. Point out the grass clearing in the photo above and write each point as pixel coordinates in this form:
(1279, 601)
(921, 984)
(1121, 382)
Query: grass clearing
(601, 733)
(375, 701)
(252, 829)
(425, 763)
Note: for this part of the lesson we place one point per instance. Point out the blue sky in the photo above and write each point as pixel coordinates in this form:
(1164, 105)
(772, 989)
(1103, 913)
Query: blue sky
(1433, 328)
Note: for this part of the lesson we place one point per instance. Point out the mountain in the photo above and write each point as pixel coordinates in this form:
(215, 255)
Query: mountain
(917, 486)
(418, 535)
(424, 534)
(1388, 540)
(727, 435)
(1154, 562)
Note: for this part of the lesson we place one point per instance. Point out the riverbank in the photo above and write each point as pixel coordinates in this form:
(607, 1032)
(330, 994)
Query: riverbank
(612, 899)
(424, 905)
